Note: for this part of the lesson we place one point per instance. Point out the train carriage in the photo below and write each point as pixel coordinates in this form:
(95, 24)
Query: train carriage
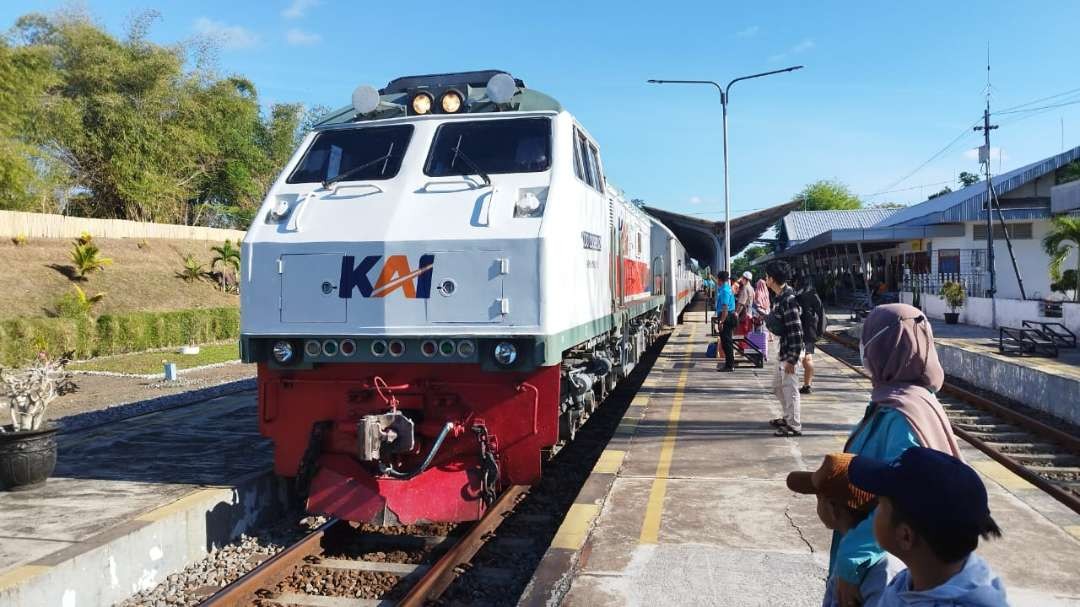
(438, 289)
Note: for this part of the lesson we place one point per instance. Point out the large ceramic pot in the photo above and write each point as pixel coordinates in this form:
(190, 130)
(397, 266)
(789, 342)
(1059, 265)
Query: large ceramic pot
(952, 318)
(26, 458)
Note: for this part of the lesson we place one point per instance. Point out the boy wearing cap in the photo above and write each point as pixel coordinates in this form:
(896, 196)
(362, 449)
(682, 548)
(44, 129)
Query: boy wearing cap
(932, 510)
(841, 506)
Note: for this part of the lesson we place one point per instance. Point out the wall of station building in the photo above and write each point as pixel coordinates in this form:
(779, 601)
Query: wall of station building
(1034, 264)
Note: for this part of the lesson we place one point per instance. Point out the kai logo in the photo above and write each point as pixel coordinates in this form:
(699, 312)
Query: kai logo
(395, 274)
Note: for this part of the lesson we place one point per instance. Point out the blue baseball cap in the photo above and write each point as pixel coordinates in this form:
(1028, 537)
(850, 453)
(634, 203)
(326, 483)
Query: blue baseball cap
(936, 490)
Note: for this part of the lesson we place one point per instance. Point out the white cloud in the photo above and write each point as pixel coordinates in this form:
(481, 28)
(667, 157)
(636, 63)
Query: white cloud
(695, 200)
(297, 37)
(798, 49)
(299, 8)
(229, 36)
(748, 32)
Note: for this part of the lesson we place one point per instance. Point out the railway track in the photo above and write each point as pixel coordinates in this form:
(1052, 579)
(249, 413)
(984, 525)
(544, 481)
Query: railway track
(1038, 452)
(337, 565)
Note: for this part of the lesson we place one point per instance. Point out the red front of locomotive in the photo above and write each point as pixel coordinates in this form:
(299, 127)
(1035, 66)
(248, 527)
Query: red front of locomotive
(409, 442)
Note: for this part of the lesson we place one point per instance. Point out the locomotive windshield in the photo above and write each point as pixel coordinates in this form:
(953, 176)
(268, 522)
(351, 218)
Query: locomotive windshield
(519, 145)
(369, 153)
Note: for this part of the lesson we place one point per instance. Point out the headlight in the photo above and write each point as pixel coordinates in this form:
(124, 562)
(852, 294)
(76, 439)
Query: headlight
(283, 352)
(421, 103)
(527, 205)
(505, 353)
(450, 102)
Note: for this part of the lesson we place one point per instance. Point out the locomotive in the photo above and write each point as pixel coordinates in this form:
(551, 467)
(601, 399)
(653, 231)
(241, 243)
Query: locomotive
(438, 289)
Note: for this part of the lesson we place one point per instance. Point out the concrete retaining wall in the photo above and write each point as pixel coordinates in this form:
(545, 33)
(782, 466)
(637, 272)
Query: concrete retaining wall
(1053, 394)
(143, 552)
(44, 225)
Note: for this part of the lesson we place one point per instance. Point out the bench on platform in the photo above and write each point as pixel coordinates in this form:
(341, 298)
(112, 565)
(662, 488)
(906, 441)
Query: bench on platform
(1025, 340)
(855, 303)
(1054, 331)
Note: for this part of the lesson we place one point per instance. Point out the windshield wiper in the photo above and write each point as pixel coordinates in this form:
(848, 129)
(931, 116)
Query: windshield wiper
(469, 161)
(385, 158)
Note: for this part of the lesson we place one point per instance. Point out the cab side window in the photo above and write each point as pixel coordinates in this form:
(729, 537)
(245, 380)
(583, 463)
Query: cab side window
(578, 170)
(594, 159)
(587, 166)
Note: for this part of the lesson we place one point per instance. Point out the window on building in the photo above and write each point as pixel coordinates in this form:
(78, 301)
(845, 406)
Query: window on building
(1017, 231)
(948, 261)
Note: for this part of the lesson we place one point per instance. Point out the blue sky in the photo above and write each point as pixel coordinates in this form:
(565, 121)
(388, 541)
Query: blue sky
(886, 85)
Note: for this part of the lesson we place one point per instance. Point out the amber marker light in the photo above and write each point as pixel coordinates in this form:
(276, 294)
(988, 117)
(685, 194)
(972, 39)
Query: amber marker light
(451, 102)
(421, 103)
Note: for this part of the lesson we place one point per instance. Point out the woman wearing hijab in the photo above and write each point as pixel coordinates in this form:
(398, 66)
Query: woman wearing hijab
(762, 304)
(897, 349)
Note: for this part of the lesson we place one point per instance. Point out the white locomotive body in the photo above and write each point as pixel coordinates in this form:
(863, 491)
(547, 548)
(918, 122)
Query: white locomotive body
(436, 297)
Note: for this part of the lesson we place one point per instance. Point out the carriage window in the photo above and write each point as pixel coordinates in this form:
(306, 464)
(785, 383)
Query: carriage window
(587, 168)
(521, 145)
(372, 152)
(594, 159)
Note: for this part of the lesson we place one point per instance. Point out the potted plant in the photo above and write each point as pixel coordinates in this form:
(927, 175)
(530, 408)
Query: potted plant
(953, 294)
(28, 444)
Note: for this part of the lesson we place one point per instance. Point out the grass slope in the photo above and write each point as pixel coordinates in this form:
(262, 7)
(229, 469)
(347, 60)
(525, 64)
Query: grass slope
(32, 277)
(147, 363)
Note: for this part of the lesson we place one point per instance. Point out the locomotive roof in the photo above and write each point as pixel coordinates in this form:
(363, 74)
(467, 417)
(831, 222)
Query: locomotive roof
(394, 97)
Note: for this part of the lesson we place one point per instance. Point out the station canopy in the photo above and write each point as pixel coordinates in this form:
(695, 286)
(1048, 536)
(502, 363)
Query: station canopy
(704, 239)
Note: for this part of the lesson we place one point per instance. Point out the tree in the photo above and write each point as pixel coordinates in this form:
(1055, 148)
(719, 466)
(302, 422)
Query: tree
(889, 205)
(967, 178)
(742, 262)
(1063, 231)
(828, 195)
(941, 192)
(126, 128)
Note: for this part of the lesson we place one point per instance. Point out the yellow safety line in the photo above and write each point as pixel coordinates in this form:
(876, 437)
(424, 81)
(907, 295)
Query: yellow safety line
(18, 575)
(650, 528)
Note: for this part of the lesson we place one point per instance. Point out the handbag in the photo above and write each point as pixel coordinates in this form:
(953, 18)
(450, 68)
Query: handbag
(710, 351)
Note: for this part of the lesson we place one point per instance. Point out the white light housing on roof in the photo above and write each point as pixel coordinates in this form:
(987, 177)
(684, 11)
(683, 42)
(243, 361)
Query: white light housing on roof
(501, 88)
(365, 99)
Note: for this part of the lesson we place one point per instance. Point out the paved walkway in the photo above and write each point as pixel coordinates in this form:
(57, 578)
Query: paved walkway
(699, 514)
(108, 476)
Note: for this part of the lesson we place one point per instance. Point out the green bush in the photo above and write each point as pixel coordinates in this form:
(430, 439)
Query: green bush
(22, 338)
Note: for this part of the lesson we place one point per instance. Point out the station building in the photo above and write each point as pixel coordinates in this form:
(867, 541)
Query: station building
(892, 254)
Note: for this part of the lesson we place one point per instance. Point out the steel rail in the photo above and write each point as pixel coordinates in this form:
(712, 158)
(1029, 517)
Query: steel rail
(446, 569)
(242, 591)
(1065, 497)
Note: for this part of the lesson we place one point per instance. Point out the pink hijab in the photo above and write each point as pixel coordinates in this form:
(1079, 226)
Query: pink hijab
(904, 368)
(761, 295)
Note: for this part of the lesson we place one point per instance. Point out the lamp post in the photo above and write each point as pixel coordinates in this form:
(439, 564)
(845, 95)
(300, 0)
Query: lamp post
(724, 97)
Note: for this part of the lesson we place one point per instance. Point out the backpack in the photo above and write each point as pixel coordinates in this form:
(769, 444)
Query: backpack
(810, 303)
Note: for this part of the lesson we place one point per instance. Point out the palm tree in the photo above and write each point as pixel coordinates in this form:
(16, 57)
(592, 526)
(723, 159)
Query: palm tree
(1063, 238)
(229, 257)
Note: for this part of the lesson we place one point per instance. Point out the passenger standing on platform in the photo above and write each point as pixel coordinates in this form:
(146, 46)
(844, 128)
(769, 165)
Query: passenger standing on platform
(841, 506)
(813, 326)
(745, 299)
(725, 316)
(897, 348)
(786, 322)
(933, 510)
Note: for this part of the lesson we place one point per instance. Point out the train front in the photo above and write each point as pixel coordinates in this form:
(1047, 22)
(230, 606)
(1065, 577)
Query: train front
(390, 298)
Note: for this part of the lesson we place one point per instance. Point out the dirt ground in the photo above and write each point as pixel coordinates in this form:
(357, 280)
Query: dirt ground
(102, 391)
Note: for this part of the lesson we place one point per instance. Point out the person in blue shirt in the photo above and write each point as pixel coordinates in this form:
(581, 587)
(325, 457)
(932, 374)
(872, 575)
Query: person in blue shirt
(725, 316)
(897, 350)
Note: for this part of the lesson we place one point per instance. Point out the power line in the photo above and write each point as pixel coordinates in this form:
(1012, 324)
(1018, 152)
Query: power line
(907, 189)
(1047, 98)
(1037, 109)
(963, 134)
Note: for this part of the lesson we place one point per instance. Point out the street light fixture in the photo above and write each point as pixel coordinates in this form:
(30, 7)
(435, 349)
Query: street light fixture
(724, 96)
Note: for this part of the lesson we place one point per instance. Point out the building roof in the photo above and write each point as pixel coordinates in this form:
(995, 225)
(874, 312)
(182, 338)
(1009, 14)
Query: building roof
(968, 204)
(804, 225)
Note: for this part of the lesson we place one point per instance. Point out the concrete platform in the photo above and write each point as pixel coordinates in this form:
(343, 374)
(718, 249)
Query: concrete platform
(970, 353)
(134, 501)
(696, 511)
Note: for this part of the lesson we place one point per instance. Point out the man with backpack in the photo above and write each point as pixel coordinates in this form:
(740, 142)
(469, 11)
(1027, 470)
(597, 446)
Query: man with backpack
(813, 326)
(785, 321)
